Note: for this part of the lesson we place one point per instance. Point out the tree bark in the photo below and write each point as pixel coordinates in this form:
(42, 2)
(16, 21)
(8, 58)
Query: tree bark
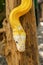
(30, 56)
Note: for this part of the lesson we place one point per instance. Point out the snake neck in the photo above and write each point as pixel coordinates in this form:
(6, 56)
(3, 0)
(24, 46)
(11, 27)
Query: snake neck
(22, 9)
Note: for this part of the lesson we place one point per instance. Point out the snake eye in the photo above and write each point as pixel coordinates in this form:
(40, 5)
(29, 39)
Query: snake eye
(16, 41)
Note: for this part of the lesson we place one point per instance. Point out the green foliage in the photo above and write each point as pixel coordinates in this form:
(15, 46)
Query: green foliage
(2, 5)
(2, 9)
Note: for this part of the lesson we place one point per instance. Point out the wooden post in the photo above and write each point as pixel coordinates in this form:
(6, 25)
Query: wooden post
(30, 56)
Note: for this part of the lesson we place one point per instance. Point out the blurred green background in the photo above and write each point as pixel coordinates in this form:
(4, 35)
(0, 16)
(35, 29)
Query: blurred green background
(2, 11)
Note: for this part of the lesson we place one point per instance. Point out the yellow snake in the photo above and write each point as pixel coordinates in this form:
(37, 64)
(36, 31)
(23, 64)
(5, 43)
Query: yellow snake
(19, 34)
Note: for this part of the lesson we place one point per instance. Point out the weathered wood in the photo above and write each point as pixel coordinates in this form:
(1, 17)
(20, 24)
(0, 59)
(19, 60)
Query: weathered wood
(10, 44)
(2, 41)
(30, 56)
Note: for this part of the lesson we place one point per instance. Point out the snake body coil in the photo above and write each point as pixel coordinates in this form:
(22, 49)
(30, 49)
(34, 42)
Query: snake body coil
(19, 34)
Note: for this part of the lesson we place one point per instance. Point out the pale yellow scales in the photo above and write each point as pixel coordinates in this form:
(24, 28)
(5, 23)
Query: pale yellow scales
(19, 34)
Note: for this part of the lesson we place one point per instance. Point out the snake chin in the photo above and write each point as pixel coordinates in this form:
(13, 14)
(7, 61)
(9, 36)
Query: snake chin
(20, 42)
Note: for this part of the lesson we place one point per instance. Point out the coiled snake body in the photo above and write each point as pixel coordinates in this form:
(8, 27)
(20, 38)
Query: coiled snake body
(19, 34)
